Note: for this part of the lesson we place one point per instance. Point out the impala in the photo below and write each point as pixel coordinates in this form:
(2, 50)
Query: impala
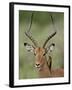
(43, 65)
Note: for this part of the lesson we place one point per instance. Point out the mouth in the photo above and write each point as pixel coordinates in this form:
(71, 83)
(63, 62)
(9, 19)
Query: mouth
(38, 67)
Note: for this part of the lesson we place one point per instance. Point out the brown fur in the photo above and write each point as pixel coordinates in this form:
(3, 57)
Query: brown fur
(45, 69)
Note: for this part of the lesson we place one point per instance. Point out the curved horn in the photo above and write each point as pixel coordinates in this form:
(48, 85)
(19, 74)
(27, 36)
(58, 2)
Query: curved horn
(48, 39)
(28, 34)
(31, 38)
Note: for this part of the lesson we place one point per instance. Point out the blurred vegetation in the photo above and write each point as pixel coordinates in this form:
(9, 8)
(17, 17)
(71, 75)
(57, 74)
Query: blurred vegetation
(41, 28)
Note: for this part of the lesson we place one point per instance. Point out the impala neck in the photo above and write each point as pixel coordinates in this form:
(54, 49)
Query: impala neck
(44, 71)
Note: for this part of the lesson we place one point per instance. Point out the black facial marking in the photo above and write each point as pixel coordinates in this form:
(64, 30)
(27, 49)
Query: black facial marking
(44, 54)
(53, 44)
(34, 54)
(25, 44)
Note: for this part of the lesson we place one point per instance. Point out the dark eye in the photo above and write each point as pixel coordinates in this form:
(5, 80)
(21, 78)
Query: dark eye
(35, 54)
(44, 54)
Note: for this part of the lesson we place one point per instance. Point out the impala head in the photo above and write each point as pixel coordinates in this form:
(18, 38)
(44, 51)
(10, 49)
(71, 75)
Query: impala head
(39, 52)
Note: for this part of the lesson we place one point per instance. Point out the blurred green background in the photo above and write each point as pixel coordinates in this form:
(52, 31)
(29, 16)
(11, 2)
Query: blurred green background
(41, 28)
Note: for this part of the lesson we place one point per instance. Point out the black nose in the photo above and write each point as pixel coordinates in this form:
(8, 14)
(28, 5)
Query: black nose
(37, 64)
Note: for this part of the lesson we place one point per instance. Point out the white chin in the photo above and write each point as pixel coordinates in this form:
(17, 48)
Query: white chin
(38, 68)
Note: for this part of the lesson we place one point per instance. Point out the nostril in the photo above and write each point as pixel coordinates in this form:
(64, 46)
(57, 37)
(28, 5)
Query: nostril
(37, 64)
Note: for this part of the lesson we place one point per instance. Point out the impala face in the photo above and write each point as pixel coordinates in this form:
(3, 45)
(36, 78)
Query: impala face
(40, 54)
(40, 57)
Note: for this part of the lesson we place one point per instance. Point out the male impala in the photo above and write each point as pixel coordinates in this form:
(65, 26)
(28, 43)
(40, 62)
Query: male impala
(43, 65)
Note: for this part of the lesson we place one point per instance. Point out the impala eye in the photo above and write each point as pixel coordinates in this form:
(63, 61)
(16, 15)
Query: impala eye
(44, 54)
(35, 53)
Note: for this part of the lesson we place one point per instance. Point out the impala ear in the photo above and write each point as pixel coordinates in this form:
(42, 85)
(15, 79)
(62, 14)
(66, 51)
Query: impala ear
(29, 47)
(51, 48)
